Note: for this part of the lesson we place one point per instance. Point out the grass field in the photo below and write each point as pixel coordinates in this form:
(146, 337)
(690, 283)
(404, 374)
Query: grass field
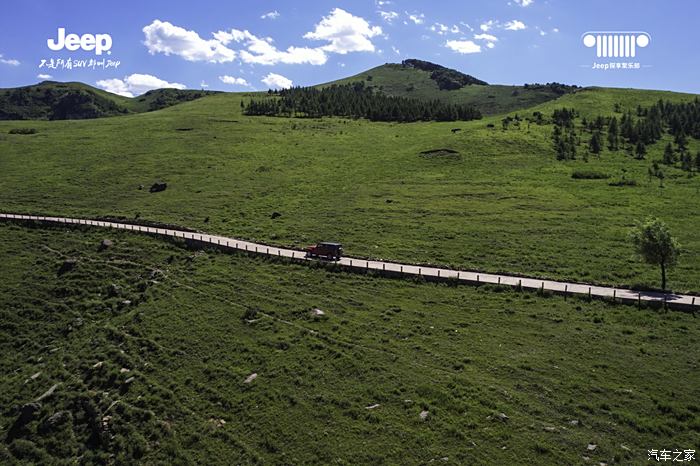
(504, 204)
(191, 326)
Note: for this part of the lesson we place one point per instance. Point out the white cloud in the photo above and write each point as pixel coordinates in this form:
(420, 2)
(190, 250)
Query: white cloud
(439, 28)
(466, 25)
(166, 38)
(487, 37)
(388, 16)
(271, 15)
(115, 86)
(555, 30)
(515, 25)
(344, 32)
(203, 85)
(417, 18)
(443, 29)
(524, 3)
(261, 51)
(487, 25)
(277, 81)
(136, 84)
(463, 46)
(226, 79)
(396, 51)
(225, 37)
(9, 61)
(44, 76)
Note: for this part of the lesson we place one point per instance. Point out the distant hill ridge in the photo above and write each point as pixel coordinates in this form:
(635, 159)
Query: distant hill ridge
(50, 100)
(412, 78)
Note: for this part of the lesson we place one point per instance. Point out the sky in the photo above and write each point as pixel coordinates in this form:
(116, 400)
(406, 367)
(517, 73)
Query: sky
(130, 47)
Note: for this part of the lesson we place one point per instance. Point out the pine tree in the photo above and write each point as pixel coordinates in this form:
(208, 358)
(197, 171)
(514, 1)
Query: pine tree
(681, 141)
(640, 150)
(686, 162)
(613, 135)
(669, 156)
(660, 175)
(556, 134)
(595, 143)
(627, 127)
(599, 123)
(571, 143)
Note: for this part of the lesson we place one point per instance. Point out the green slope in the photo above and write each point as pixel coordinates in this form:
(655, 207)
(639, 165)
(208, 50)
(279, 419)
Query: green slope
(593, 101)
(406, 81)
(504, 204)
(73, 100)
(150, 343)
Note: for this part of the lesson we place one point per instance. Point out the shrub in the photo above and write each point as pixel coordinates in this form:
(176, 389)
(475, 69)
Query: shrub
(589, 175)
(23, 131)
(250, 314)
(623, 182)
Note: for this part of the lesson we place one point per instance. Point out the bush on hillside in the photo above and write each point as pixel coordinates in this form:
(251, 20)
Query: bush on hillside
(589, 175)
(22, 131)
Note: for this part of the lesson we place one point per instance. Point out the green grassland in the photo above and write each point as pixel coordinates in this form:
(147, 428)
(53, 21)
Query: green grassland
(150, 343)
(504, 204)
(397, 80)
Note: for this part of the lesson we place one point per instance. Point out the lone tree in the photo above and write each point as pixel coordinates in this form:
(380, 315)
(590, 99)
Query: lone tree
(653, 242)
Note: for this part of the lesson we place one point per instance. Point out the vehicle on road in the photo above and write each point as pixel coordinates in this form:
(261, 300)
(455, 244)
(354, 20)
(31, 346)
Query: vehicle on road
(325, 250)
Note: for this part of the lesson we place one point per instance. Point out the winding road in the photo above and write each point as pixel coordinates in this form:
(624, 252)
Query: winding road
(392, 268)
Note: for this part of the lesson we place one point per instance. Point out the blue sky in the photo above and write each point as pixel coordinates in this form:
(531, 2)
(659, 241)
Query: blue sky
(237, 46)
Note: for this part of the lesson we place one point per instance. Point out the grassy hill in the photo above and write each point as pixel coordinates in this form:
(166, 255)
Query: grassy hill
(149, 345)
(502, 203)
(70, 101)
(408, 81)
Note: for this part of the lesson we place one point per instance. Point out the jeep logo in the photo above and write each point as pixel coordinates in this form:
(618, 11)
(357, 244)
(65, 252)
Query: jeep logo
(99, 43)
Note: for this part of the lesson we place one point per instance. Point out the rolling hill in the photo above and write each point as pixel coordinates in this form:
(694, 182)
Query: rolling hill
(412, 78)
(51, 100)
(418, 79)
